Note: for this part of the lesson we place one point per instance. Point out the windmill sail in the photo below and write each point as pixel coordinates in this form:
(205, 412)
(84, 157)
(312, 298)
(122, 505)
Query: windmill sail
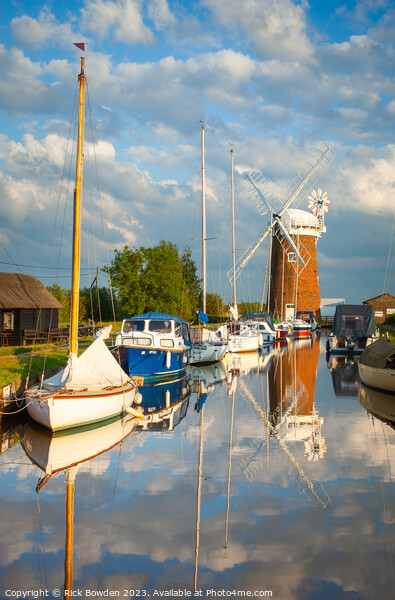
(310, 173)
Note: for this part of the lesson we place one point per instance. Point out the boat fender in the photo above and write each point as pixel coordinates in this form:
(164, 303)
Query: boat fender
(138, 398)
(168, 360)
(184, 358)
(327, 345)
(135, 412)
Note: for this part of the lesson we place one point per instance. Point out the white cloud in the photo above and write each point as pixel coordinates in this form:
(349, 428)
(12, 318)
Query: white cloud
(120, 19)
(161, 15)
(34, 33)
(275, 28)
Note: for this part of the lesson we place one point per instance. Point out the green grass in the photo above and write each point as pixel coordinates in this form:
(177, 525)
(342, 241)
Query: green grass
(15, 368)
(383, 331)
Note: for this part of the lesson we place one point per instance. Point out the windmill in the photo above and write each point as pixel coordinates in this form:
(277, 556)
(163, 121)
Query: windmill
(290, 231)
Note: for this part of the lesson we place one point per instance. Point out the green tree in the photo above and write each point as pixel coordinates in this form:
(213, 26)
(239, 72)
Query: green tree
(126, 269)
(191, 292)
(98, 304)
(155, 279)
(247, 307)
(215, 305)
(63, 296)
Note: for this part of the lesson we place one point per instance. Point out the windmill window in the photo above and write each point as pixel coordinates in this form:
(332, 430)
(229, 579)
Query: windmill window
(8, 321)
(291, 257)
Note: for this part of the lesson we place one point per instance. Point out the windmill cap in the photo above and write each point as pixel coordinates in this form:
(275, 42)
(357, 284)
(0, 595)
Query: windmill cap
(302, 222)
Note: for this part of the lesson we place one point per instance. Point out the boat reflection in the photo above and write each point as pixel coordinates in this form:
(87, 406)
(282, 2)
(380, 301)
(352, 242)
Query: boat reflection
(345, 377)
(57, 452)
(379, 404)
(164, 404)
(65, 452)
(207, 376)
(250, 363)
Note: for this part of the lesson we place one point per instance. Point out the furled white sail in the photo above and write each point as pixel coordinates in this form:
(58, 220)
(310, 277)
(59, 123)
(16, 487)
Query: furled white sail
(95, 369)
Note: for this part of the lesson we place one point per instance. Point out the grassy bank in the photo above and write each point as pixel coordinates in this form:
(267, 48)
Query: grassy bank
(14, 368)
(16, 362)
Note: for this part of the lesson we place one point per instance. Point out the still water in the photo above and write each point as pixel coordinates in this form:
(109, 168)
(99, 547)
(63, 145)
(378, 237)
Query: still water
(269, 473)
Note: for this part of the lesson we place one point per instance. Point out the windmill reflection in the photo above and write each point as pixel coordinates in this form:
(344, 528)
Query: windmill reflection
(292, 414)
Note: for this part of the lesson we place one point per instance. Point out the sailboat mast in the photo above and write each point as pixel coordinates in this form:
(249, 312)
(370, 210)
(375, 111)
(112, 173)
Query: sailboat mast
(77, 216)
(233, 230)
(203, 226)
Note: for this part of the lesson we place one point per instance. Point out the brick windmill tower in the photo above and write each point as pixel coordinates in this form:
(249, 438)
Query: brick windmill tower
(293, 278)
(294, 284)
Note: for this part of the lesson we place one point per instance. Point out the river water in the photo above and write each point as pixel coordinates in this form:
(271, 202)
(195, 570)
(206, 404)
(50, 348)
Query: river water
(269, 475)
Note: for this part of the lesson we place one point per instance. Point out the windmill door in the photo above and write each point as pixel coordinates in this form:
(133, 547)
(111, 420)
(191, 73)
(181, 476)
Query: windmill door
(289, 311)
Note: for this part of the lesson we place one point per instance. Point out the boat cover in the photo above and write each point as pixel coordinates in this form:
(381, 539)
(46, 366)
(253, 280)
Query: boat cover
(380, 354)
(258, 316)
(157, 316)
(94, 370)
(354, 321)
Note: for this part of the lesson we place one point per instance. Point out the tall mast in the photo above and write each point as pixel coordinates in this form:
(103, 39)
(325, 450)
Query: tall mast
(233, 231)
(203, 226)
(77, 216)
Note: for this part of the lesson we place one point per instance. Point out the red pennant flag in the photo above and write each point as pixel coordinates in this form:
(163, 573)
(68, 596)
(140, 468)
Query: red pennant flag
(81, 46)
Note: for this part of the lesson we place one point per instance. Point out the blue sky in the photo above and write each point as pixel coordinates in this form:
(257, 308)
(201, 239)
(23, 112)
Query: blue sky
(274, 78)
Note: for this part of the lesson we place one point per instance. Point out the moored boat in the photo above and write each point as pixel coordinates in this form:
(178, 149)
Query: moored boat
(283, 330)
(354, 328)
(376, 365)
(262, 323)
(92, 387)
(240, 337)
(299, 328)
(308, 317)
(157, 345)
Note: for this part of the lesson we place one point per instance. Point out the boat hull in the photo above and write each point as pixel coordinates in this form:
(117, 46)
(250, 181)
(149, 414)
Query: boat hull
(379, 379)
(155, 363)
(301, 333)
(343, 347)
(64, 410)
(243, 344)
(206, 352)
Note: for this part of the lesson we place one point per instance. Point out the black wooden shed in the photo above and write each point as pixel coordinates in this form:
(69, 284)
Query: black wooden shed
(25, 305)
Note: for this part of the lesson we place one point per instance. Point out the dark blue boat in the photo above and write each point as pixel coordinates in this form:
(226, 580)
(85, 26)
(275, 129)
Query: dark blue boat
(157, 345)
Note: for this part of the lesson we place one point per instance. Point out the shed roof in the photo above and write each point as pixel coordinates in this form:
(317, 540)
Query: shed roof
(386, 295)
(18, 290)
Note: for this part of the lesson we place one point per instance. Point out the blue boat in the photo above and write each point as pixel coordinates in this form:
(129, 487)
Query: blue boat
(157, 345)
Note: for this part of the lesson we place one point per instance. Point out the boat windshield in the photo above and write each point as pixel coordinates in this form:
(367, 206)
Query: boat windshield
(160, 326)
(133, 326)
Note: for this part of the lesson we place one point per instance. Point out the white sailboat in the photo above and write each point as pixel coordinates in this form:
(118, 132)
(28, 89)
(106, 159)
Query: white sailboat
(92, 387)
(239, 336)
(209, 348)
